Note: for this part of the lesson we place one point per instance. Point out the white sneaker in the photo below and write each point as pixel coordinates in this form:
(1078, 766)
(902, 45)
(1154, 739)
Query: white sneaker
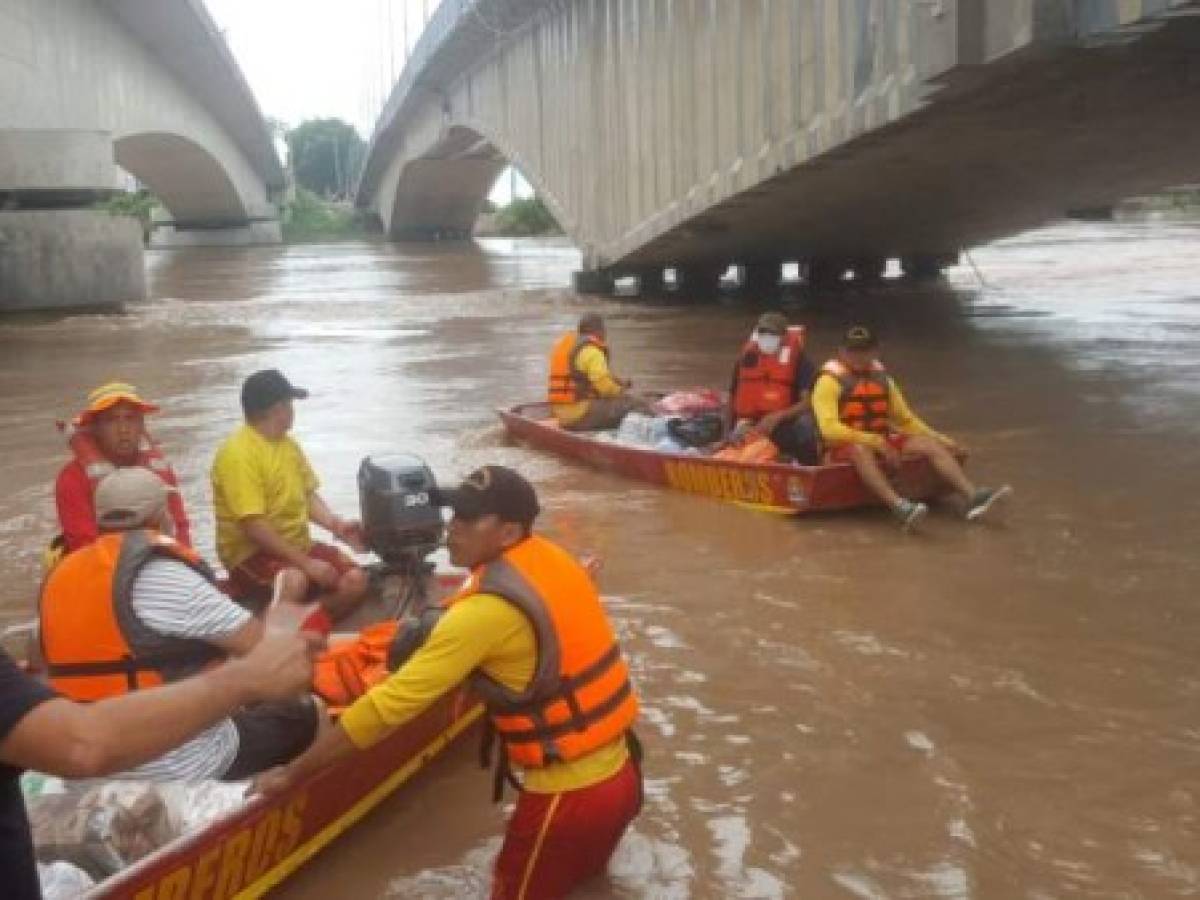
(984, 500)
(910, 514)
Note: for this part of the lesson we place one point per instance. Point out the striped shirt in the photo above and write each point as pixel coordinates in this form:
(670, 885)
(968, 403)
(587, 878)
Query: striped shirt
(175, 600)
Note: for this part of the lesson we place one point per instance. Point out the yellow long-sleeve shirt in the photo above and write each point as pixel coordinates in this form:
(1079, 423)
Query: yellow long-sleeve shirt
(826, 394)
(592, 362)
(484, 632)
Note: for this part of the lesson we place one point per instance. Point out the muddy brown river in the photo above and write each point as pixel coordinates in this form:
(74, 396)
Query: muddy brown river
(832, 709)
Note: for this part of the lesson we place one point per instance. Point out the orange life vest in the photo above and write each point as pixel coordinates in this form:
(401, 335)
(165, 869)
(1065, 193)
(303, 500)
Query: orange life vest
(567, 384)
(580, 697)
(93, 643)
(865, 401)
(766, 382)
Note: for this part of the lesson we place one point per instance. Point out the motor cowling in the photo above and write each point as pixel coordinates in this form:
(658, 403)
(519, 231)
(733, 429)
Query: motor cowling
(401, 518)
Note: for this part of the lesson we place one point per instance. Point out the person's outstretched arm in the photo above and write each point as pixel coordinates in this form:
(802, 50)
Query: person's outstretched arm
(87, 740)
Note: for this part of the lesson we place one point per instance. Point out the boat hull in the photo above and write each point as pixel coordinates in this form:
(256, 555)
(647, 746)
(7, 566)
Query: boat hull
(770, 487)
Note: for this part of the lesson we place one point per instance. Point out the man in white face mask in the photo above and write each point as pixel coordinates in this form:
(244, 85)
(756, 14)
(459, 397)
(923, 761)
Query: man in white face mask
(772, 382)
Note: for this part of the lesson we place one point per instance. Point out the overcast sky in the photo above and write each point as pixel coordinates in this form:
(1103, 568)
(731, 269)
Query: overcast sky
(311, 58)
(308, 59)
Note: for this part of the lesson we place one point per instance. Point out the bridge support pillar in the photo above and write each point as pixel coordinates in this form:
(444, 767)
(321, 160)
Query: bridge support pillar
(698, 281)
(927, 266)
(594, 282)
(651, 282)
(250, 234)
(57, 251)
(824, 272)
(761, 278)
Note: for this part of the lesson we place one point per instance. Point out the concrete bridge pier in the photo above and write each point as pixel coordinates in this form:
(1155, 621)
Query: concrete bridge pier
(57, 250)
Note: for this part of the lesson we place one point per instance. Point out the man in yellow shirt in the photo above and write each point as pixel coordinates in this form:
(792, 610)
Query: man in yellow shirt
(864, 420)
(530, 633)
(265, 496)
(584, 395)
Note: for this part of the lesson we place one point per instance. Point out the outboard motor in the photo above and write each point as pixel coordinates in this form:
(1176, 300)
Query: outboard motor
(398, 498)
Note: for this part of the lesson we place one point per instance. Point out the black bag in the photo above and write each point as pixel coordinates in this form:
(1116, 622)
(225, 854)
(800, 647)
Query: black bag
(697, 431)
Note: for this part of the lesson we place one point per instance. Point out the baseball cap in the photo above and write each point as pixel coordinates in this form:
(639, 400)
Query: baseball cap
(265, 388)
(129, 497)
(774, 322)
(493, 490)
(860, 337)
(109, 395)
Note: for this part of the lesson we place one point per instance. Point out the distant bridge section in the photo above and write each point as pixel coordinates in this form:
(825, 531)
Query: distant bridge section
(692, 134)
(147, 85)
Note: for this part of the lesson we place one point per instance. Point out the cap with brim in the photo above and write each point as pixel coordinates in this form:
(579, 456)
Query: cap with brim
(265, 388)
(109, 395)
(774, 322)
(860, 337)
(493, 490)
(129, 497)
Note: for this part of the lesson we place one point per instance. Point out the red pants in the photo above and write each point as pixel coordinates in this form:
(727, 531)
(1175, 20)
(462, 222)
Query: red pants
(841, 453)
(254, 579)
(555, 842)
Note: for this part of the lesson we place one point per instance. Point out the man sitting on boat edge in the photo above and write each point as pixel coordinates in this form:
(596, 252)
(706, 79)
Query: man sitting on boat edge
(135, 609)
(771, 388)
(865, 420)
(529, 631)
(265, 499)
(583, 393)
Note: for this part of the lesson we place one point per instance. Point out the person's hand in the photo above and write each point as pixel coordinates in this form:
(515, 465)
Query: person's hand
(321, 573)
(768, 423)
(592, 564)
(271, 783)
(280, 666)
(891, 456)
(351, 531)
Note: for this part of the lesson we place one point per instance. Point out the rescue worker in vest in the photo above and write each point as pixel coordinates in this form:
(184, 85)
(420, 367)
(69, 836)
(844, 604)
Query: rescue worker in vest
(110, 433)
(584, 395)
(530, 633)
(135, 609)
(771, 389)
(265, 496)
(865, 420)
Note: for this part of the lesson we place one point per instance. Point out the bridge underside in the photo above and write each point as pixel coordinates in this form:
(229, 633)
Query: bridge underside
(441, 194)
(997, 151)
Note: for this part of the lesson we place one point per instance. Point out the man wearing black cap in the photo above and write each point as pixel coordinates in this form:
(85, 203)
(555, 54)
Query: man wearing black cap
(529, 632)
(865, 420)
(265, 496)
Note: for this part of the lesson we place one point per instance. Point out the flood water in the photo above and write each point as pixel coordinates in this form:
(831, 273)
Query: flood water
(832, 709)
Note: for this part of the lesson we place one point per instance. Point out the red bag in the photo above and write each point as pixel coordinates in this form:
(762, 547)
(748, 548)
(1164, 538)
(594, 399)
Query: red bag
(689, 402)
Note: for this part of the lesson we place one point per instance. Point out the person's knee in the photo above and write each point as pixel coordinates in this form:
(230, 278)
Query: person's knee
(354, 583)
(294, 585)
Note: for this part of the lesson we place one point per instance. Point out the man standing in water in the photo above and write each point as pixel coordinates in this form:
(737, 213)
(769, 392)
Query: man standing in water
(529, 632)
(864, 420)
(265, 496)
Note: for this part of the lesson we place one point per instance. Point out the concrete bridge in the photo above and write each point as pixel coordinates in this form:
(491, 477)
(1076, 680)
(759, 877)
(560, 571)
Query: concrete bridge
(147, 85)
(693, 134)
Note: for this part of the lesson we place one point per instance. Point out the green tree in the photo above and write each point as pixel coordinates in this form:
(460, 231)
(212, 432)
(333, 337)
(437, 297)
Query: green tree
(325, 156)
(526, 216)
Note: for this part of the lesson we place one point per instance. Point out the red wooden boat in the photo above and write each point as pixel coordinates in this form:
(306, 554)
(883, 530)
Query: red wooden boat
(253, 849)
(786, 488)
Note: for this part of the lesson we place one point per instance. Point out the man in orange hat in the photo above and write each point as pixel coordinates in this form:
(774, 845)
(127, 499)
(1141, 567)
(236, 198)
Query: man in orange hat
(110, 434)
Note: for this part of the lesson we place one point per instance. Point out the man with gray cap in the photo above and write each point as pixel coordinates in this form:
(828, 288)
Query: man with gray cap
(771, 387)
(136, 609)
